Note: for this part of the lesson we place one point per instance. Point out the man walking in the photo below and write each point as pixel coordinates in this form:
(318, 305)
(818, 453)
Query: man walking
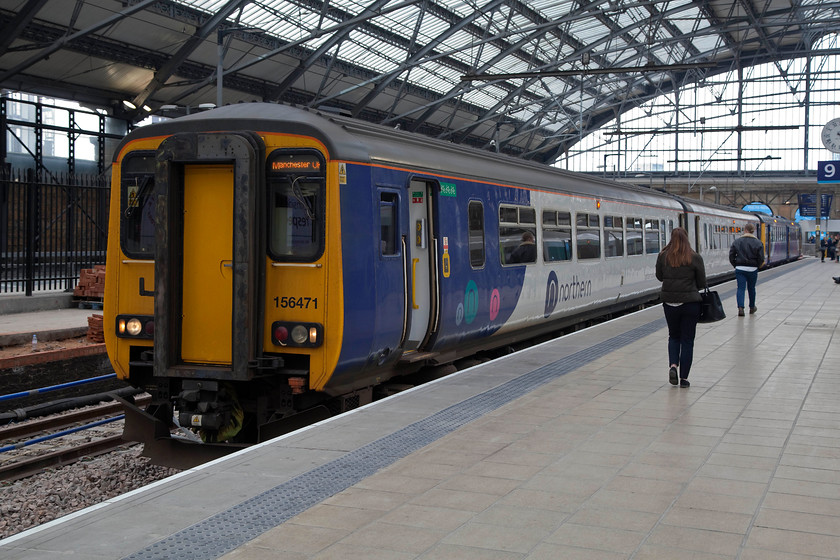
(747, 256)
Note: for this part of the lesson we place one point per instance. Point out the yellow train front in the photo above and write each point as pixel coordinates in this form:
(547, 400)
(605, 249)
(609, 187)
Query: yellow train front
(219, 272)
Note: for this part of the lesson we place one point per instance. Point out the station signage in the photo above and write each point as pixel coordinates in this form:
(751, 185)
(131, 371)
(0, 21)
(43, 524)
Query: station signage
(828, 172)
(808, 205)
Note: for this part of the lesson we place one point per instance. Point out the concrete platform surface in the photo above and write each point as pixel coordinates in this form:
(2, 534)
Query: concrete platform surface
(54, 324)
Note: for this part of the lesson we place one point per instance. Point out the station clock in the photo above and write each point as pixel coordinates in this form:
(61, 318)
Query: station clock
(831, 135)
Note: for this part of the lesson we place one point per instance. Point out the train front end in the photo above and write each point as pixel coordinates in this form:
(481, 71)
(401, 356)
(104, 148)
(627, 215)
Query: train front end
(218, 298)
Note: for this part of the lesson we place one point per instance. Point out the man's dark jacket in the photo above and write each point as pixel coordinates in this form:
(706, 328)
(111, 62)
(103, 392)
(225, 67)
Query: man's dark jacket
(747, 250)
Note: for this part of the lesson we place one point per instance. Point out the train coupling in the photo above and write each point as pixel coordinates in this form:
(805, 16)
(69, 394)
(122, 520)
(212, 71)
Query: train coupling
(161, 447)
(201, 405)
(212, 408)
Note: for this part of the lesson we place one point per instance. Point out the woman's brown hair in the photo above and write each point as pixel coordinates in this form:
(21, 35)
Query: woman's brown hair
(678, 251)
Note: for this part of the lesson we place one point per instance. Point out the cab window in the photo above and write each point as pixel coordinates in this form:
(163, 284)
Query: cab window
(296, 186)
(137, 205)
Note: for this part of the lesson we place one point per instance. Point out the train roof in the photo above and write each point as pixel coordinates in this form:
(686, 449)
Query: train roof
(768, 219)
(702, 207)
(348, 139)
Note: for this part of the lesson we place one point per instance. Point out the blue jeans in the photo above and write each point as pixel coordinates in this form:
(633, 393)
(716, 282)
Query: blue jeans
(682, 326)
(745, 280)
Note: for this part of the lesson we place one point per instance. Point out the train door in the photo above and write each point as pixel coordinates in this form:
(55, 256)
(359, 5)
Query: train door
(207, 264)
(208, 252)
(697, 239)
(763, 234)
(421, 250)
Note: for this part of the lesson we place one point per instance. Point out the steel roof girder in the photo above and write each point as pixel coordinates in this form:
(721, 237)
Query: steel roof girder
(107, 22)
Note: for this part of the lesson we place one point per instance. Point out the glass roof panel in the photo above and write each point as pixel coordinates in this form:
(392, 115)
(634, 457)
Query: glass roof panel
(549, 34)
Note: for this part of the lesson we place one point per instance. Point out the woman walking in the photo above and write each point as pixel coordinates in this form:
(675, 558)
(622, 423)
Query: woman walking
(683, 275)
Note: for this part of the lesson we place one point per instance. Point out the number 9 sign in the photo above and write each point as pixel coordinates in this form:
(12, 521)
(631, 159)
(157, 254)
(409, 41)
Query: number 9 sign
(828, 172)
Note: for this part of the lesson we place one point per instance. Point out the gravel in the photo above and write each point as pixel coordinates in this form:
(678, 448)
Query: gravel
(57, 492)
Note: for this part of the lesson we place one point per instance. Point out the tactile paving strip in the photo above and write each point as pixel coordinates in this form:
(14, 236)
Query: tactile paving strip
(226, 531)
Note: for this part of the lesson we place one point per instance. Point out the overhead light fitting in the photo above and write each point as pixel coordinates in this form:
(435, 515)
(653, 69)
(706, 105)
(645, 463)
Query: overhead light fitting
(129, 104)
(147, 108)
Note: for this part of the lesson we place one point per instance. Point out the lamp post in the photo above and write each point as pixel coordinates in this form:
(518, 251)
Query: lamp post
(712, 188)
(221, 52)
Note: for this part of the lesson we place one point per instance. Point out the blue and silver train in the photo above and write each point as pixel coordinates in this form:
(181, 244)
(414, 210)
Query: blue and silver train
(266, 261)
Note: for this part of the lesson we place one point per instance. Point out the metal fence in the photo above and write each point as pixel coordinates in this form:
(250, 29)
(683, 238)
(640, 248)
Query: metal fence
(52, 225)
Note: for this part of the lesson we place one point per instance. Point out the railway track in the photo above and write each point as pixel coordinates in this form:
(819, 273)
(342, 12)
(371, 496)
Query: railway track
(70, 453)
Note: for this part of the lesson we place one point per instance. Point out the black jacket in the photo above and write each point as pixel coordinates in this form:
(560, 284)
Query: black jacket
(681, 284)
(747, 250)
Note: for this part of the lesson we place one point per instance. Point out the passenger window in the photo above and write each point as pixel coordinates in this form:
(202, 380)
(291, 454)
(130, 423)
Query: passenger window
(588, 238)
(557, 236)
(651, 236)
(662, 239)
(614, 236)
(635, 245)
(476, 225)
(388, 230)
(517, 235)
(138, 205)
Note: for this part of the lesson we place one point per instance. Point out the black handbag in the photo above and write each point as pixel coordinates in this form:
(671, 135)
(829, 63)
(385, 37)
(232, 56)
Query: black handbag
(711, 309)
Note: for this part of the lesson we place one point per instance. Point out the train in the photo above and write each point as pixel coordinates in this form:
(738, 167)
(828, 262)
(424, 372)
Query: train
(268, 265)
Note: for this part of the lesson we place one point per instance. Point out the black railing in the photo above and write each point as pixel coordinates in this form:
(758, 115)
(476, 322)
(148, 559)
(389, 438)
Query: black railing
(52, 225)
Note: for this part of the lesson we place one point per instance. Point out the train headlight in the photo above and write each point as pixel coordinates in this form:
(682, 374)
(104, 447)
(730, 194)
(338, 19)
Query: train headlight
(136, 326)
(298, 335)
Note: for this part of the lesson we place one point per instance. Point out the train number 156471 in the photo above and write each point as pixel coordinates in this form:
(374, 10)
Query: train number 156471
(290, 302)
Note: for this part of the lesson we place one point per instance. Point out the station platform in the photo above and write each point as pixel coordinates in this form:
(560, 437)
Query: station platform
(576, 449)
(48, 315)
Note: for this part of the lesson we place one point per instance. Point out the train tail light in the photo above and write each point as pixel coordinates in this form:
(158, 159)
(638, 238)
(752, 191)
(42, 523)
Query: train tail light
(281, 334)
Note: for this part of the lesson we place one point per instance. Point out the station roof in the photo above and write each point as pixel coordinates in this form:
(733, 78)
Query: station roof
(529, 78)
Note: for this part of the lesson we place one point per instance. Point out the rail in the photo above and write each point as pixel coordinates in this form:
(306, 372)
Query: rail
(40, 390)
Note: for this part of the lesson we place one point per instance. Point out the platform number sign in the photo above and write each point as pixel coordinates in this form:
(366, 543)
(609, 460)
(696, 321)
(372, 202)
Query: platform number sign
(828, 172)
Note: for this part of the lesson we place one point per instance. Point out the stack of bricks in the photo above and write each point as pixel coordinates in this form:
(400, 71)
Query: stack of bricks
(96, 332)
(91, 283)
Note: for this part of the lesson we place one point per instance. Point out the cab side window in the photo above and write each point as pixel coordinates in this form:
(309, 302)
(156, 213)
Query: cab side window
(476, 233)
(388, 230)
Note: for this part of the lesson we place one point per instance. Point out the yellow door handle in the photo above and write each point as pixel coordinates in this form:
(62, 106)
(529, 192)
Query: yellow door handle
(414, 283)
